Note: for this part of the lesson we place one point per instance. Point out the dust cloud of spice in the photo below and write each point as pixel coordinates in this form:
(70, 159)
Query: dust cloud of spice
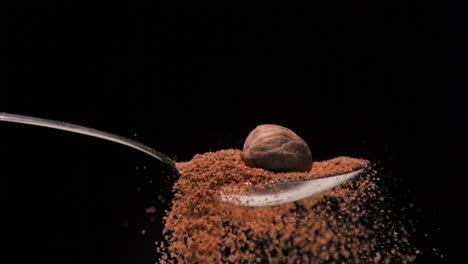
(343, 225)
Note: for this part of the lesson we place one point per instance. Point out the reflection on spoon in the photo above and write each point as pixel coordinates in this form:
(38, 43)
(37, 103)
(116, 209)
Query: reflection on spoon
(269, 194)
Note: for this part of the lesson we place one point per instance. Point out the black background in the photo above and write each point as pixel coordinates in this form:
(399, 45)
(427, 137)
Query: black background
(381, 83)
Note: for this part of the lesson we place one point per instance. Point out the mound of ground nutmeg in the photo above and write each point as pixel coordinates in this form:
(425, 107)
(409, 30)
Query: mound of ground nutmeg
(342, 225)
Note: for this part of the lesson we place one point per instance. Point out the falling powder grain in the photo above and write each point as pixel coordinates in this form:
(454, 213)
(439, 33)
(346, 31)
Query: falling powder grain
(343, 225)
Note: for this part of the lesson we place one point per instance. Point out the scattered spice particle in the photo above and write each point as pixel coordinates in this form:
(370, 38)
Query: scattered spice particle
(343, 225)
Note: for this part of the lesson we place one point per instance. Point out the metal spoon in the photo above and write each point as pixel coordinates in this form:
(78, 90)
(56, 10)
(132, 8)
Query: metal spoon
(271, 193)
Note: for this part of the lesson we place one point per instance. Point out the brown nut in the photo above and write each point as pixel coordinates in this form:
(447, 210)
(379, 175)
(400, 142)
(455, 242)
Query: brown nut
(276, 148)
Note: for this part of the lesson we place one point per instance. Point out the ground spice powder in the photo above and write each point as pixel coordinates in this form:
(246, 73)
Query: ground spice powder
(342, 225)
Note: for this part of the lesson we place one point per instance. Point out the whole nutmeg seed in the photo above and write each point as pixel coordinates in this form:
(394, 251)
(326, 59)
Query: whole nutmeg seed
(276, 148)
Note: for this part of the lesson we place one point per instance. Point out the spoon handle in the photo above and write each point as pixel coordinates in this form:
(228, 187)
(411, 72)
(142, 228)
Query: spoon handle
(37, 121)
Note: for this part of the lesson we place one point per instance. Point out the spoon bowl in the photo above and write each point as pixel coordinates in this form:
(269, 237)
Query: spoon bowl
(268, 194)
(276, 193)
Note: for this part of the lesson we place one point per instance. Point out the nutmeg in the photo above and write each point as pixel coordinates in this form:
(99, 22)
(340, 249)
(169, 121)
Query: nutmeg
(276, 148)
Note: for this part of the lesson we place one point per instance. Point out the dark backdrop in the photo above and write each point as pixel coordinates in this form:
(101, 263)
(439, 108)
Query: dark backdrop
(385, 84)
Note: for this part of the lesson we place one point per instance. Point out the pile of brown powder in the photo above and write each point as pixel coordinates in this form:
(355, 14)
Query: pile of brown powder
(343, 225)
